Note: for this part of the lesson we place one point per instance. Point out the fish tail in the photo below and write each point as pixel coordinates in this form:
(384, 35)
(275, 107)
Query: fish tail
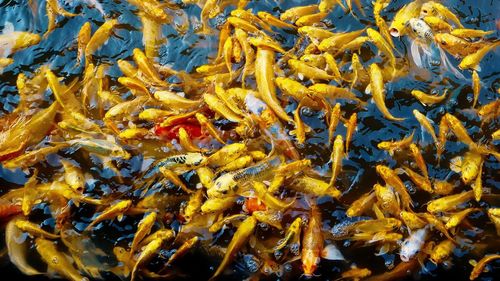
(447, 66)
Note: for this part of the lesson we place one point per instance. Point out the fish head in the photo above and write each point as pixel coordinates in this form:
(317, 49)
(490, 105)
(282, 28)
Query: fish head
(404, 256)
(309, 266)
(223, 186)
(384, 145)
(120, 153)
(29, 39)
(427, 9)
(444, 40)
(468, 174)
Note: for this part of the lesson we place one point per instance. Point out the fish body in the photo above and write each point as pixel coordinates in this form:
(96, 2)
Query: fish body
(413, 244)
(336, 158)
(111, 212)
(312, 243)
(449, 202)
(239, 239)
(392, 179)
(100, 36)
(378, 92)
(228, 183)
(56, 260)
(397, 27)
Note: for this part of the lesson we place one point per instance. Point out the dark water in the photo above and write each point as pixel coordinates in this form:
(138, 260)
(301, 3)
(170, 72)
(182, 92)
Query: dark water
(189, 50)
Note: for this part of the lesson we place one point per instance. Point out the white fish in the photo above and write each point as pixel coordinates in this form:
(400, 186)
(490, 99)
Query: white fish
(92, 4)
(412, 245)
(6, 42)
(423, 48)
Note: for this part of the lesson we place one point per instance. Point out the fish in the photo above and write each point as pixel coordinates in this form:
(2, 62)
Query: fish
(438, 24)
(412, 220)
(292, 235)
(334, 121)
(221, 108)
(12, 41)
(470, 33)
(26, 131)
(56, 260)
(99, 146)
(147, 253)
(231, 182)
(472, 61)
(111, 212)
(378, 92)
(100, 36)
(328, 5)
(427, 99)
(379, 41)
(83, 39)
(147, 68)
(337, 40)
(426, 123)
(274, 21)
(413, 244)
(313, 186)
(265, 82)
(248, 16)
(35, 230)
(476, 87)
(73, 176)
(392, 146)
(295, 13)
(449, 202)
(269, 200)
(432, 8)
(310, 19)
(397, 27)
(442, 251)
(387, 199)
(456, 218)
(334, 92)
(64, 96)
(312, 245)
(457, 46)
(419, 160)
(30, 158)
(361, 205)
(481, 264)
(391, 178)
(336, 158)
(143, 229)
(239, 239)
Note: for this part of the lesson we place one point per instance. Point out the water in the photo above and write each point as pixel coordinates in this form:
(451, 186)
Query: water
(189, 50)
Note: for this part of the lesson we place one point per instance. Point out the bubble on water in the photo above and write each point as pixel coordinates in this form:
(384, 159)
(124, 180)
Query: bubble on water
(278, 254)
(264, 226)
(295, 248)
(252, 263)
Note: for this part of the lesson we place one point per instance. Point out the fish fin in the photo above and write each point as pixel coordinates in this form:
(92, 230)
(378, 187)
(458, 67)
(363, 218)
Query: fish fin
(8, 27)
(456, 164)
(447, 64)
(368, 89)
(331, 252)
(415, 53)
(384, 249)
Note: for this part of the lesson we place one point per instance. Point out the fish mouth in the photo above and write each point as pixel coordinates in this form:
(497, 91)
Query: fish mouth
(394, 32)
